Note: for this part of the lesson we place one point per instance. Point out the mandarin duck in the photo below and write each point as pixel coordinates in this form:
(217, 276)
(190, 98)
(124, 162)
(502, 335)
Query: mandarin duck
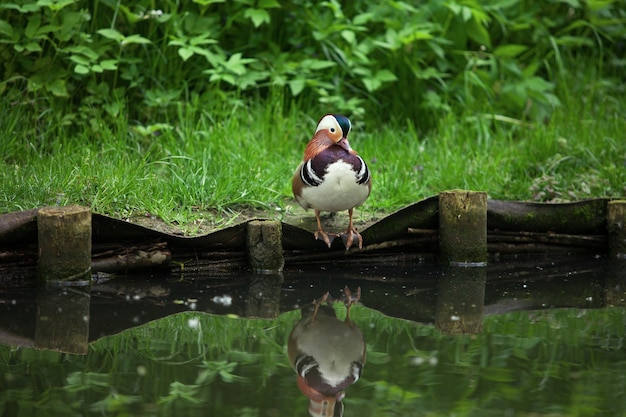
(332, 176)
(327, 354)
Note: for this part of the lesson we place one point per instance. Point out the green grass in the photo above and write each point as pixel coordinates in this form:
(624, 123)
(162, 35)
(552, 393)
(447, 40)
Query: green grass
(211, 163)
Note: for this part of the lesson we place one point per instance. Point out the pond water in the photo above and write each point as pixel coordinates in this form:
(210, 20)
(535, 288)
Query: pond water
(536, 336)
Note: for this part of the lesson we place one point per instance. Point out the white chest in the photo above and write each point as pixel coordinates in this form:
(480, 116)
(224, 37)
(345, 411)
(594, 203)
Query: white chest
(338, 192)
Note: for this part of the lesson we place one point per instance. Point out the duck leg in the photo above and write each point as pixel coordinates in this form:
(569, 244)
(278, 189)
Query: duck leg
(351, 299)
(350, 234)
(318, 303)
(320, 234)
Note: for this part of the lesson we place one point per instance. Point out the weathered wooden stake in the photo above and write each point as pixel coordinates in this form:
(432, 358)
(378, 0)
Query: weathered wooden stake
(265, 246)
(64, 240)
(463, 228)
(616, 225)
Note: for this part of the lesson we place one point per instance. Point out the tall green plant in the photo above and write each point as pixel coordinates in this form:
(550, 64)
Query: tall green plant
(384, 60)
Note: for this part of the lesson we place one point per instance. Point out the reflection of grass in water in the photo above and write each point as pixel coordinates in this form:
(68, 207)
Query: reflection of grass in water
(565, 362)
(537, 354)
(191, 337)
(570, 361)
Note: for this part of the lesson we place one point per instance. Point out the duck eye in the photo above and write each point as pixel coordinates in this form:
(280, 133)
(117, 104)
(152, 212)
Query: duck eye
(332, 130)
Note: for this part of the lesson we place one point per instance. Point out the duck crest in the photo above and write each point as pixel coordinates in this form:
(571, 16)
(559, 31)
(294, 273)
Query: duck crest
(344, 124)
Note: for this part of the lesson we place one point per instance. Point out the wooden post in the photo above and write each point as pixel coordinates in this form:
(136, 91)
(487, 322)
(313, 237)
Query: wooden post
(265, 246)
(616, 225)
(463, 228)
(64, 240)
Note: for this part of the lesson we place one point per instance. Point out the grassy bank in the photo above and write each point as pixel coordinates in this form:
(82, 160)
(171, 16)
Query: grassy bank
(208, 164)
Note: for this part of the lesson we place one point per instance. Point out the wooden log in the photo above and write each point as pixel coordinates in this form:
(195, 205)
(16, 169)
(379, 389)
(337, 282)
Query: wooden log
(64, 241)
(420, 215)
(592, 242)
(535, 248)
(463, 228)
(202, 262)
(151, 255)
(579, 217)
(18, 227)
(265, 246)
(616, 226)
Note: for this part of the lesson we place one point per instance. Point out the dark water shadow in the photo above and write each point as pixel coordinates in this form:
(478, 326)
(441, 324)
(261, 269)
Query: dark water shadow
(454, 299)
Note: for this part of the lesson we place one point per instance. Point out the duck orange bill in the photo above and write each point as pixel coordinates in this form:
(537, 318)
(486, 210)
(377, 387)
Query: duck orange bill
(321, 405)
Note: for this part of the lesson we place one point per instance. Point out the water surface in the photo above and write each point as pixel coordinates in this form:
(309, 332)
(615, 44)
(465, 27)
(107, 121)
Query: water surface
(535, 337)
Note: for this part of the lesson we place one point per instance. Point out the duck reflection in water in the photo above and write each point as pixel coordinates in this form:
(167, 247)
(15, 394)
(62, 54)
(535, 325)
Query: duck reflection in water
(327, 354)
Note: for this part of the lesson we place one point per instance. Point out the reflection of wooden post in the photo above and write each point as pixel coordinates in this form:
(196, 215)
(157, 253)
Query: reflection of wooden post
(463, 227)
(616, 225)
(63, 318)
(615, 282)
(265, 246)
(64, 240)
(461, 300)
(264, 296)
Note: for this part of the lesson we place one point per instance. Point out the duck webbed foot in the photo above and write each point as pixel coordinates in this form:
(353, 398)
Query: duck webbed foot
(349, 236)
(325, 237)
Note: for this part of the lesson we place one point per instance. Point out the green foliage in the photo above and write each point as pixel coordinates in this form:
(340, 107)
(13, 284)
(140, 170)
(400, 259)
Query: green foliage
(75, 60)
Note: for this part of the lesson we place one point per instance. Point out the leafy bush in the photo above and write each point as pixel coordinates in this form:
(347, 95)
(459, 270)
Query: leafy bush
(72, 60)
